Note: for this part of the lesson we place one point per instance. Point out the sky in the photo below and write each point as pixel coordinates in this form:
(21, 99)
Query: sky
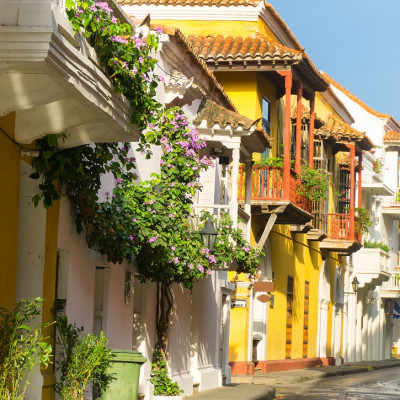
(357, 42)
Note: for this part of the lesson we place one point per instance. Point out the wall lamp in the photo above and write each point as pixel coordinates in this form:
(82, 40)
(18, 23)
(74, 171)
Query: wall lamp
(355, 284)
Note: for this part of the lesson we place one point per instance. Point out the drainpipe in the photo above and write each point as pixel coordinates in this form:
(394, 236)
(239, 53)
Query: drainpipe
(250, 325)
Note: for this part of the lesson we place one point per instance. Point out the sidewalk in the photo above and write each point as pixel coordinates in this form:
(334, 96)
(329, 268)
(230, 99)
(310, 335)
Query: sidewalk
(236, 392)
(303, 375)
(262, 386)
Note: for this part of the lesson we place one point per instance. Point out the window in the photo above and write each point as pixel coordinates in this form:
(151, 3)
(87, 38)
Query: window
(266, 119)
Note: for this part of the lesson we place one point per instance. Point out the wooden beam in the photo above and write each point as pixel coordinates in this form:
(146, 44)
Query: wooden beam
(287, 136)
(267, 230)
(298, 128)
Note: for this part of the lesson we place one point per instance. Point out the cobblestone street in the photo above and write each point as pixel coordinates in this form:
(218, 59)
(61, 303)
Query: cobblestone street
(375, 385)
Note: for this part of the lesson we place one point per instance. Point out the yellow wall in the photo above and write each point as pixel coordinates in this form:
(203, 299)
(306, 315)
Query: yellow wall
(291, 255)
(226, 28)
(238, 336)
(9, 203)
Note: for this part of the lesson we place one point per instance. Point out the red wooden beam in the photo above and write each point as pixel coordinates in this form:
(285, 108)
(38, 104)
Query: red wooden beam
(311, 137)
(352, 148)
(286, 148)
(360, 161)
(298, 128)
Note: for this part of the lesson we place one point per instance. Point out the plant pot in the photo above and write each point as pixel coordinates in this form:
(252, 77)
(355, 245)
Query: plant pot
(167, 397)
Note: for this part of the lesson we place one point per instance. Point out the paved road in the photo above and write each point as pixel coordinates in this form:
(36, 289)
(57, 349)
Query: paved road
(383, 384)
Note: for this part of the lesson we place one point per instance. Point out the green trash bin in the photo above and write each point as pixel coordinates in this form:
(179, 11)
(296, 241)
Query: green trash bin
(126, 369)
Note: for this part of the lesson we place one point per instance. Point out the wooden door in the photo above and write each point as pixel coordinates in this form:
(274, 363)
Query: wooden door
(289, 317)
(306, 318)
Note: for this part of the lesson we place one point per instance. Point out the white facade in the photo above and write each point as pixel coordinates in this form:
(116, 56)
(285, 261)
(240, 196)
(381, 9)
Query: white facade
(368, 313)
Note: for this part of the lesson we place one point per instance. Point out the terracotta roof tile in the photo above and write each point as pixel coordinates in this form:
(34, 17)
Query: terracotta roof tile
(218, 3)
(305, 113)
(391, 137)
(343, 160)
(182, 40)
(338, 130)
(257, 46)
(214, 114)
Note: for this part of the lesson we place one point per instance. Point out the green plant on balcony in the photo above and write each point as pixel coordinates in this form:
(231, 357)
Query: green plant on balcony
(398, 195)
(275, 162)
(362, 220)
(377, 166)
(314, 184)
(376, 245)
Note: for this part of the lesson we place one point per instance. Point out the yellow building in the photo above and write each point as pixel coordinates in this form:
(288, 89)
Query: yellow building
(290, 315)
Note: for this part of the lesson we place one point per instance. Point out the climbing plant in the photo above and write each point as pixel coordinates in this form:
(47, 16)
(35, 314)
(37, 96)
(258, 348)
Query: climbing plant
(148, 222)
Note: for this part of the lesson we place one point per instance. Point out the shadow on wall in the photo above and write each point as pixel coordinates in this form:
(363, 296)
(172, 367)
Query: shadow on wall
(194, 329)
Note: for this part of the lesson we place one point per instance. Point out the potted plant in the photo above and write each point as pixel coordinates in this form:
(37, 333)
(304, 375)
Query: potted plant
(164, 387)
(83, 360)
(362, 220)
(314, 184)
(21, 348)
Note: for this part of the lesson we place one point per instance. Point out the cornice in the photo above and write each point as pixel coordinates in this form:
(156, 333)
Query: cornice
(195, 13)
(338, 106)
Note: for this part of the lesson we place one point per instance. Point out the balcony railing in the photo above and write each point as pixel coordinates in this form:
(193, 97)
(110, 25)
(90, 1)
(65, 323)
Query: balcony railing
(267, 184)
(335, 225)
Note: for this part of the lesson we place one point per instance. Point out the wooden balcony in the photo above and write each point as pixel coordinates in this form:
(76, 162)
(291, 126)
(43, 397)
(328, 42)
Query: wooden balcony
(268, 196)
(340, 235)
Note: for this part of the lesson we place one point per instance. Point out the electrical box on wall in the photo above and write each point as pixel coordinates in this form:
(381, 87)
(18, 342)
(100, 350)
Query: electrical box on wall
(239, 303)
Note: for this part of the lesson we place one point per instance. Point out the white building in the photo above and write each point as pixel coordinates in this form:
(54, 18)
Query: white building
(52, 81)
(368, 333)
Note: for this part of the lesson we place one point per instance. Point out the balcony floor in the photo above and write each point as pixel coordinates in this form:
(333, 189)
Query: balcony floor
(346, 247)
(288, 213)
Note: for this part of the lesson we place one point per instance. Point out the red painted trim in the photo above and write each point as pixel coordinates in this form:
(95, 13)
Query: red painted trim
(298, 128)
(360, 161)
(352, 148)
(265, 367)
(242, 367)
(286, 150)
(311, 137)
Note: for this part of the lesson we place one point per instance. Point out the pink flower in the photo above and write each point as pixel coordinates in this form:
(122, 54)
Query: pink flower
(158, 29)
(200, 268)
(190, 266)
(114, 20)
(131, 237)
(133, 219)
(173, 248)
(176, 260)
(209, 272)
(153, 239)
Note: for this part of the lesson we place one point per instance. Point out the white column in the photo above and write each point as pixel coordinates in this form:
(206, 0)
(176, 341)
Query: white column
(359, 338)
(369, 333)
(247, 201)
(375, 330)
(250, 323)
(234, 194)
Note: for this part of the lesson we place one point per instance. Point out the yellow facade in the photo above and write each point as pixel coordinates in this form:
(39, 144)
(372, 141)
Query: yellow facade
(9, 202)
(291, 253)
(10, 170)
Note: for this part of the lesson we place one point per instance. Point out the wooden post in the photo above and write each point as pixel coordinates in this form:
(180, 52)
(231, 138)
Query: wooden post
(311, 133)
(360, 161)
(235, 175)
(298, 128)
(286, 148)
(352, 148)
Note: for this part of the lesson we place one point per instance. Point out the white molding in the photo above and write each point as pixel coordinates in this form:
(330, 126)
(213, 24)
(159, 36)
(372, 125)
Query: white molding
(195, 13)
(338, 106)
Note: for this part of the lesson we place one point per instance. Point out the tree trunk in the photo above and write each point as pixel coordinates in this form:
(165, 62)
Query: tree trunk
(163, 312)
